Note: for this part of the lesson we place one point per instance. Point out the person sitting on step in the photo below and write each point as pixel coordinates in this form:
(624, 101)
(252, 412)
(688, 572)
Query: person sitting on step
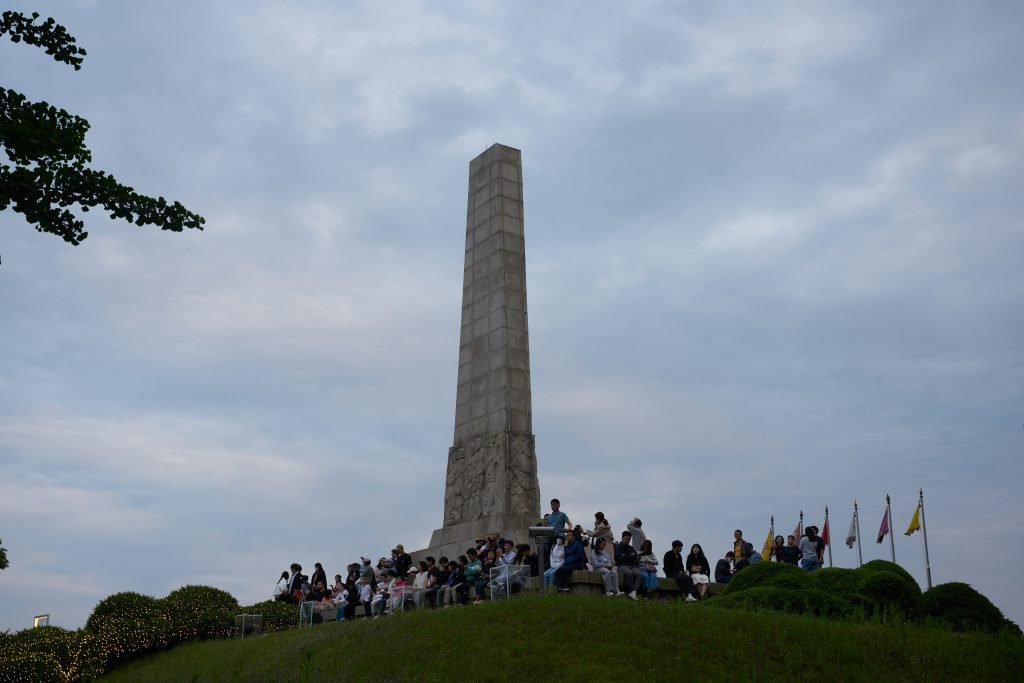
(626, 564)
(675, 568)
(575, 560)
(602, 559)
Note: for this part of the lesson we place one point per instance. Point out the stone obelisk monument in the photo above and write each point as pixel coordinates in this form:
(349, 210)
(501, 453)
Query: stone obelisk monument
(492, 481)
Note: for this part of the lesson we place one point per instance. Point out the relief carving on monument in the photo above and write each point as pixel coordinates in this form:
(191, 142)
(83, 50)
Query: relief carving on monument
(453, 490)
(524, 498)
(473, 481)
(492, 500)
(491, 475)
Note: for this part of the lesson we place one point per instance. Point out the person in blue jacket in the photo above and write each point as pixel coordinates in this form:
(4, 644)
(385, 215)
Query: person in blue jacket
(575, 559)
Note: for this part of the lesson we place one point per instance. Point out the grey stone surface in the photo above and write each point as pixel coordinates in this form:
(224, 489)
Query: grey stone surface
(491, 484)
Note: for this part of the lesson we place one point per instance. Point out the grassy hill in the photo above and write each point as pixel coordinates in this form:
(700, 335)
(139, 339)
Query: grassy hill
(594, 639)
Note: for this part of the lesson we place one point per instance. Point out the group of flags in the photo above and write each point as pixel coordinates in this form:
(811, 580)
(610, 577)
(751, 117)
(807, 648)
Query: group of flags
(885, 528)
(853, 536)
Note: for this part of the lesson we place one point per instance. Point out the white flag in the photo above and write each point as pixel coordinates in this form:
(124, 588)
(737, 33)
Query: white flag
(851, 535)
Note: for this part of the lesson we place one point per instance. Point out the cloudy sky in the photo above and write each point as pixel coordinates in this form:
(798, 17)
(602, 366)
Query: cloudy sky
(773, 253)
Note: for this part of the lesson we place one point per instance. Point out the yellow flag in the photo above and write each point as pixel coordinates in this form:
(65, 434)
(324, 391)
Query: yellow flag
(767, 545)
(915, 523)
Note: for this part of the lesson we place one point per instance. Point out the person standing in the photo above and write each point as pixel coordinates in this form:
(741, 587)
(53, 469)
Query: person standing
(403, 561)
(636, 533)
(675, 568)
(558, 520)
(789, 553)
(741, 551)
(809, 550)
(602, 529)
(294, 584)
(319, 575)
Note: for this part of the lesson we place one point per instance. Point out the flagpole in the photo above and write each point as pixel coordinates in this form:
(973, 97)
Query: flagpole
(829, 537)
(924, 532)
(771, 548)
(856, 516)
(801, 522)
(892, 541)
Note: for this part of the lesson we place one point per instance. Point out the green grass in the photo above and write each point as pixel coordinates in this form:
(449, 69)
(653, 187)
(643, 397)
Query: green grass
(594, 639)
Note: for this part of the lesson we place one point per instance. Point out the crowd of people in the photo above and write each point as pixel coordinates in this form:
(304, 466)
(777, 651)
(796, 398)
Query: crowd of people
(501, 567)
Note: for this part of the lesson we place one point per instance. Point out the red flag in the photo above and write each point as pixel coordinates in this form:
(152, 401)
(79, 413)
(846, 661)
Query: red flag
(824, 532)
(884, 529)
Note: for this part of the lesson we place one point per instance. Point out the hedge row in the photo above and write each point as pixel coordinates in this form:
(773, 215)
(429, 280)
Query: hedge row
(125, 626)
(878, 590)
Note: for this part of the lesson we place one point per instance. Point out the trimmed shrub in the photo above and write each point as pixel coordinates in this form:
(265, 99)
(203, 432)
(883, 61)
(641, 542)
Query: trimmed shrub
(961, 608)
(774, 599)
(17, 667)
(883, 592)
(774, 574)
(886, 566)
(277, 616)
(49, 653)
(199, 613)
(836, 581)
(126, 625)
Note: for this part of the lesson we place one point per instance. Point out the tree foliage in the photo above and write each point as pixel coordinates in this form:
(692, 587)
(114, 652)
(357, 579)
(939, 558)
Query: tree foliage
(46, 169)
(4, 564)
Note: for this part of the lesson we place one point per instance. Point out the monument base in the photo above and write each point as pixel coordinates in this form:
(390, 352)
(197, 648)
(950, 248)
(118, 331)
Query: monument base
(452, 541)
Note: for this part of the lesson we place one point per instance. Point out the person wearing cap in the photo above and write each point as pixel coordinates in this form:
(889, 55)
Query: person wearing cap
(365, 569)
(419, 583)
(675, 568)
(365, 595)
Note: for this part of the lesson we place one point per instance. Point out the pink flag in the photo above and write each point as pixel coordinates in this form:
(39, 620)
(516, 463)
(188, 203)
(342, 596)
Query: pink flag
(824, 534)
(884, 529)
